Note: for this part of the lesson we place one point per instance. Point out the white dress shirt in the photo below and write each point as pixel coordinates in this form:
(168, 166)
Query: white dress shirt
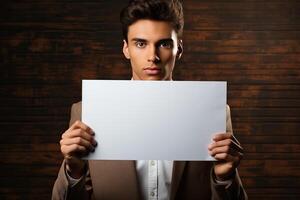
(155, 178)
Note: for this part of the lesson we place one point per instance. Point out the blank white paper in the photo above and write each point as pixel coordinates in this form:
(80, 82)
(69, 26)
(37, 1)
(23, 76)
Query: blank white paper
(153, 120)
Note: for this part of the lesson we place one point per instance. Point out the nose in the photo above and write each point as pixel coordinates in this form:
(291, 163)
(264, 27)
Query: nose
(153, 54)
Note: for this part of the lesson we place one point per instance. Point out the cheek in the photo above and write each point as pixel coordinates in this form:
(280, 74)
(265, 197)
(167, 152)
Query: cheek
(133, 55)
(136, 58)
(168, 57)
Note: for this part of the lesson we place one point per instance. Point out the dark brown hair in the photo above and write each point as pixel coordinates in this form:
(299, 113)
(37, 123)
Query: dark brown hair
(160, 10)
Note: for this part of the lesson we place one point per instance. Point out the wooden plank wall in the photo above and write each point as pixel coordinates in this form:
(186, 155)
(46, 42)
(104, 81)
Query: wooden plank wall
(48, 47)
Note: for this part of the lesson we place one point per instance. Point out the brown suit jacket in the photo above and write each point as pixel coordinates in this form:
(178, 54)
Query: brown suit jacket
(113, 180)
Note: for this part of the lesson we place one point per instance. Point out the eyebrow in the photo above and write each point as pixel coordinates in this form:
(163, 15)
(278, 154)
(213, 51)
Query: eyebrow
(138, 40)
(165, 40)
(159, 41)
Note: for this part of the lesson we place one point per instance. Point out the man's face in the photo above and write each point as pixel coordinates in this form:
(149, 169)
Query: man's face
(152, 48)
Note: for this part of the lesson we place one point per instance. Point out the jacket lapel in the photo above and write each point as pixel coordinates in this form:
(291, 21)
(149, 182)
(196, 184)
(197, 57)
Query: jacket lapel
(178, 169)
(114, 180)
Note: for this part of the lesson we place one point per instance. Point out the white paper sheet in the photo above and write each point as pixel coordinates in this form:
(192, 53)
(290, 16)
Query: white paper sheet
(153, 120)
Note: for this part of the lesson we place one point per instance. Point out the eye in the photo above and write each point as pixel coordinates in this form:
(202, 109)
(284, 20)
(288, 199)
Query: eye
(140, 44)
(166, 45)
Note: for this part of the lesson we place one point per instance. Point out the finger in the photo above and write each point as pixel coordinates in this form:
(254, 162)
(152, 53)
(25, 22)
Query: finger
(79, 133)
(73, 150)
(222, 136)
(222, 149)
(226, 142)
(79, 141)
(78, 124)
(225, 149)
(224, 157)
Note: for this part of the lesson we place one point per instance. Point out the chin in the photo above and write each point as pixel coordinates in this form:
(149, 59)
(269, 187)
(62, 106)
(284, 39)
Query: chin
(154, 78)
(157, 78)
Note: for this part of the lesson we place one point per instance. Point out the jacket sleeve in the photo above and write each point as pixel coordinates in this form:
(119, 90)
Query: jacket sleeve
(62, 189)
(233, 189)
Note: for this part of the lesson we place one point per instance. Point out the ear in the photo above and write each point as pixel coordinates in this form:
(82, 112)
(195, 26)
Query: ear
(125, 49)
(180, 49)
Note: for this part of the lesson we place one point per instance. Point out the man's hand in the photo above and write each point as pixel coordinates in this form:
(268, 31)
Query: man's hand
(76, 142)
(227, 150)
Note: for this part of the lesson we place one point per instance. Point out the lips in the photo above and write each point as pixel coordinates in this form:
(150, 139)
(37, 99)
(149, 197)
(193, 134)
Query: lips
(152, 70)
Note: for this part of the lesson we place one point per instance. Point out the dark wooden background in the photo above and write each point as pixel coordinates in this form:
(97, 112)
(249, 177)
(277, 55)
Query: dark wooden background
(48, 47)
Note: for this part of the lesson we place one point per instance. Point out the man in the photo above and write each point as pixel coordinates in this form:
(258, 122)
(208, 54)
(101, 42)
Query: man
(152, 30)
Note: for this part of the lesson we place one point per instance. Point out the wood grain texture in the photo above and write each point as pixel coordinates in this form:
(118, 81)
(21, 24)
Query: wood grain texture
(48, 47)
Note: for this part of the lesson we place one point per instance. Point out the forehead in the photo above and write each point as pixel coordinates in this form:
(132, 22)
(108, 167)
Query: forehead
(151, 30)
